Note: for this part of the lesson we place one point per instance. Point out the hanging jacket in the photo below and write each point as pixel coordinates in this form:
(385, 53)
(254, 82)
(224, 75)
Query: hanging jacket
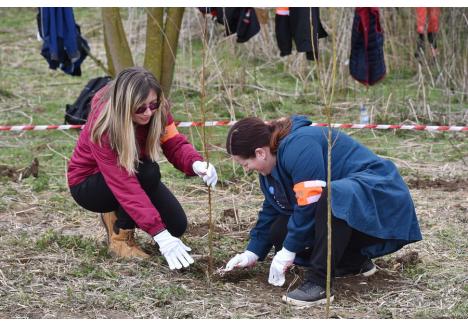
(63, 45)
(433, 19)
(248, 25)
(367, 63)
(240, 20)
(367, 192)
(89, 158)
(283, 31)
(295, 23)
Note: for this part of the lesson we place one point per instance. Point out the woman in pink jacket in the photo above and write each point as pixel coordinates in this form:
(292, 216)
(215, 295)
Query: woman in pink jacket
(113, 169)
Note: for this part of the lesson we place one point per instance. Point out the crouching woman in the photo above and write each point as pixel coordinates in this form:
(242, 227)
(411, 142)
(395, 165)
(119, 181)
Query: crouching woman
(372, 210)
(113, 169)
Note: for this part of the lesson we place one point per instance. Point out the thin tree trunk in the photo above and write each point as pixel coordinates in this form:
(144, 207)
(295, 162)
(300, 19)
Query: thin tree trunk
(171, 37)
(110, 64)
(329, 114)
(154, 41)
(205, 144)
(117, 44)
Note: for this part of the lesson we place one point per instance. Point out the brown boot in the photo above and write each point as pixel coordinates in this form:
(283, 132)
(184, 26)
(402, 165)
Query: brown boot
(121, 242)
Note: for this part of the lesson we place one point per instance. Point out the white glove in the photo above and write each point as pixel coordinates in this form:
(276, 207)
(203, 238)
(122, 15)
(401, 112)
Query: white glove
(206, 171)
(173, 250)
(245, 259)
(281, 262)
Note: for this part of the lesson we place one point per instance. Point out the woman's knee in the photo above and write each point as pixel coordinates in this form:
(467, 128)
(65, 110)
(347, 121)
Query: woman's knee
(148, 174)
(178, 229)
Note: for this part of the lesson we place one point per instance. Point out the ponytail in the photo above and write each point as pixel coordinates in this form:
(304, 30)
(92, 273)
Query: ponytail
(279, 128)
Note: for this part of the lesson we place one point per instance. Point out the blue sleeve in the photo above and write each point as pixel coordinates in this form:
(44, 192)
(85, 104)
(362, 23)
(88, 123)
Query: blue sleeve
(302, 160)
(260, 242)
(70, 34)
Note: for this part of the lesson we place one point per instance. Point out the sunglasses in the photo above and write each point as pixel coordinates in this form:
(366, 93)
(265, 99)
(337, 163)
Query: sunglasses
(152, 106)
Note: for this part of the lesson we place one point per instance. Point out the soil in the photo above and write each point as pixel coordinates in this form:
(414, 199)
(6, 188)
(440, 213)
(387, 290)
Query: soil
(425, 279)
(445, 185)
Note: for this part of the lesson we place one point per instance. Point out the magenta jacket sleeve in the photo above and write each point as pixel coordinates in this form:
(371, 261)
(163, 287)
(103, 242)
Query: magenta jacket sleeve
(177, 149)
(126, 189)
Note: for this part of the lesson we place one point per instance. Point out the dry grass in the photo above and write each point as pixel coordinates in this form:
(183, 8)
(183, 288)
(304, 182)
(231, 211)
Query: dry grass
(54, 263)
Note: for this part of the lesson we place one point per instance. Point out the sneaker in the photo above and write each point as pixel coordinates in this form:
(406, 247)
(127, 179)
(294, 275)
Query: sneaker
(366, 269)
(308, 294)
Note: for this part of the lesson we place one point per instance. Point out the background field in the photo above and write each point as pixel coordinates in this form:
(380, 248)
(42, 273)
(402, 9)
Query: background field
(53, 259)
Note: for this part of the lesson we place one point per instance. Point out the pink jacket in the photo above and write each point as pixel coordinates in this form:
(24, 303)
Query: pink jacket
(89, 158)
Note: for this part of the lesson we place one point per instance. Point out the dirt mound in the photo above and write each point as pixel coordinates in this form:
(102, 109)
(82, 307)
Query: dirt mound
(406, 260)
(17, 174)
(445, 185)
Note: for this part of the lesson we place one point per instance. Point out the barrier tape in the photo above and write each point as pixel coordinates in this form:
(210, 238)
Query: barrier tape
(230, 123)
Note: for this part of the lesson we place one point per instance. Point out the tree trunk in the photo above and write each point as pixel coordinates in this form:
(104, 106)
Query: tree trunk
(116, 42)
(154, 41)
(162, 36)
(110, 64)
(171, 37)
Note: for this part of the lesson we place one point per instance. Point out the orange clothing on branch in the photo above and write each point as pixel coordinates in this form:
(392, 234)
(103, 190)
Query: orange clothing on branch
(433, 23)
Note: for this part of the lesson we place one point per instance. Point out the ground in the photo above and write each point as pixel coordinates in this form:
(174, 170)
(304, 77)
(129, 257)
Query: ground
(54, 264)
(53, 257)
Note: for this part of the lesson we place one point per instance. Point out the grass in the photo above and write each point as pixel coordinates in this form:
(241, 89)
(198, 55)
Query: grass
(53, 259)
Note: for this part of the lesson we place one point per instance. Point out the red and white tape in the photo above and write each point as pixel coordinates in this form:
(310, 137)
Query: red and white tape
(230, 123)
(390, 127)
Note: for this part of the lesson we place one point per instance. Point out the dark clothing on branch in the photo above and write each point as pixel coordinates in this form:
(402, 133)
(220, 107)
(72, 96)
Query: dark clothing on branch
(63, 46)
(367, 63)
(302, 25)
(242, 21)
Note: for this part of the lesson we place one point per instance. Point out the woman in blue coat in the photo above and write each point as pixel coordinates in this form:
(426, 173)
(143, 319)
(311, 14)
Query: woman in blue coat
(372, 210)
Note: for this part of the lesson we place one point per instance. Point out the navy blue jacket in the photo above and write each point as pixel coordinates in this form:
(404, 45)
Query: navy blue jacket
(63, 45)
(367, 63)
(367, 192)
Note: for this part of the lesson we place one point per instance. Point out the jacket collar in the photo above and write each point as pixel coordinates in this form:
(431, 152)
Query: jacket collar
(299, 121)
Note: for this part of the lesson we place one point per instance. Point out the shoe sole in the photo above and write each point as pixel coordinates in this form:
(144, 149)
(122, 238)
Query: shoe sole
(370, 272)
(300, 303)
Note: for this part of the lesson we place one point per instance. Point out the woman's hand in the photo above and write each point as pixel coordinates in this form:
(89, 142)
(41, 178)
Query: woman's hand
(173, 249)
(281, 262)
(206, 171)
(244, 259)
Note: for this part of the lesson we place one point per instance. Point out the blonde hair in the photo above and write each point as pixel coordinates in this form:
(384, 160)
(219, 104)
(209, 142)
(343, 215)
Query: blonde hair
(125, 94)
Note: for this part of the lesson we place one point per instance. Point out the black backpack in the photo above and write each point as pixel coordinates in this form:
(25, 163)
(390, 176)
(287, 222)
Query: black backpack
(77, 113)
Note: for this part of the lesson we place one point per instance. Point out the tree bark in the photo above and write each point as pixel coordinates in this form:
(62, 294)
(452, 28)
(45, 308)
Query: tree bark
(116, 41)
(110, 64)
(154, 41)
(170, 41)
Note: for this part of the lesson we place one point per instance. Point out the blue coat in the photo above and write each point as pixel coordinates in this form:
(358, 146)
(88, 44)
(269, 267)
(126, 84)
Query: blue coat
(367, 192)
(63, 45)
(367, 62)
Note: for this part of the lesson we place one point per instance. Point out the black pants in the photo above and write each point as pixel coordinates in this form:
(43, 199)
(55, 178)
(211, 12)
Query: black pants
(346, 243)
(93, 194)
